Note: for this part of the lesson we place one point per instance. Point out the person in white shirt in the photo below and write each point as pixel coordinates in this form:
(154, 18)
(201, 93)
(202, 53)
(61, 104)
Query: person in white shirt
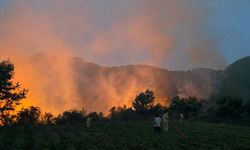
(165, 121)
(157, 124)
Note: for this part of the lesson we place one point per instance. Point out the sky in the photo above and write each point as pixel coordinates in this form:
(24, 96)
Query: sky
(231, 22)
(174, 34)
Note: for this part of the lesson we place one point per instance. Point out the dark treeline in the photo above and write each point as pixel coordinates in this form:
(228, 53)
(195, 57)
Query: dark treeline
(218, 108)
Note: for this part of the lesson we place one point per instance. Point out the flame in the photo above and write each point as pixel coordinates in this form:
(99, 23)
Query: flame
(56, 85)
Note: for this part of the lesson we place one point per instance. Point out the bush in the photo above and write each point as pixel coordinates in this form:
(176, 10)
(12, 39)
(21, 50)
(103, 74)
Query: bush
(189, 107)
(229, 107)
(29, 116)
(122, 113)
(71, 117)
(48, 118)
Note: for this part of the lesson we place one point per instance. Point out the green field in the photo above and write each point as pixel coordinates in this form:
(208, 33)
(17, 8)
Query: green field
(126, 135)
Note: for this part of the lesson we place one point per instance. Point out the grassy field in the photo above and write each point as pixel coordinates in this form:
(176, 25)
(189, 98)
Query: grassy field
(126, 135)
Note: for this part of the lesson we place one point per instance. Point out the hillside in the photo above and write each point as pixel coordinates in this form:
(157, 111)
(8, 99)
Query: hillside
(61, 83)
(240, 71)
(121, 84)
(237, 81)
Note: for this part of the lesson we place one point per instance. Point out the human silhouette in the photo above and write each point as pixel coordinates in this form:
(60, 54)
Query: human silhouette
(157, 124)
(89, 122)
(165, 121)
(181, 118)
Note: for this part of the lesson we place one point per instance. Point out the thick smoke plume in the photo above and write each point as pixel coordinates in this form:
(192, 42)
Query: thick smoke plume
(110, 32)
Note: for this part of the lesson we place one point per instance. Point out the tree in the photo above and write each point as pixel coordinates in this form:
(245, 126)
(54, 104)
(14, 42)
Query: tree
(48, 118)
(177, 107)
(122, 113)
(71, 117)
(96, 117)
(189, 107)
(193, 106)
(112, 113)
(229, 107)
(157, 109)
(144, 102)
(10, 93)
(29, 116)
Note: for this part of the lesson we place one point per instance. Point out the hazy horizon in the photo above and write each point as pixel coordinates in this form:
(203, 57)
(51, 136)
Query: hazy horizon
(170, 34)
(45, 53)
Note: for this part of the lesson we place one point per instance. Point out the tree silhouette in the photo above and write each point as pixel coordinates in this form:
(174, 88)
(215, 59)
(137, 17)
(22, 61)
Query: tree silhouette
(121, 113)
(10, 93)
(189, 107)
(71, 117)
(29, 116)
(96, 117)
(194, 106)
(48, 118)
(177, 107)
(144, 102)
(229, 107)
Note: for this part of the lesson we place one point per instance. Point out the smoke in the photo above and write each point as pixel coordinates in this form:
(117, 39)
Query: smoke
(49, 80)
(112, 32)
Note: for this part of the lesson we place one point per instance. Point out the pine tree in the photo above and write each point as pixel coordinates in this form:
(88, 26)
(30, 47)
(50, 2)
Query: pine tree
(10, 93)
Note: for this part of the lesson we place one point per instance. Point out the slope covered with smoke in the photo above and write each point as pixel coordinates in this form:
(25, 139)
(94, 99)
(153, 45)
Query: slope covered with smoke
(174, 34)
(61, 83)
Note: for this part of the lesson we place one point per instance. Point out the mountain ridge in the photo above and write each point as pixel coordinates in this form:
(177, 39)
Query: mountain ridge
(75, 83)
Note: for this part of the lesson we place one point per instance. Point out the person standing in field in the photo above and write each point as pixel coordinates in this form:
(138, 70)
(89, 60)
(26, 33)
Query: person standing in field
(89, 122)
(181, 118)
(165, 121)
(157, 124)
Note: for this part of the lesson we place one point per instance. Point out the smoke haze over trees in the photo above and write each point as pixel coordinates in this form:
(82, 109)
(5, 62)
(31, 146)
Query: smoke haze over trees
(74, 83)
(177, 35)
(99, 88)
(67, 83)
(164, 33)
